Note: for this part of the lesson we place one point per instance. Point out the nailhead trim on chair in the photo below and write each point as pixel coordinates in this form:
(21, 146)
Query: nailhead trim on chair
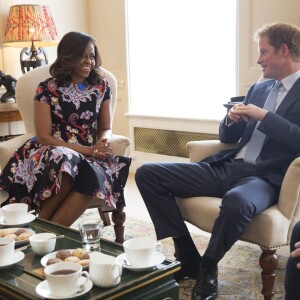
(263, 247)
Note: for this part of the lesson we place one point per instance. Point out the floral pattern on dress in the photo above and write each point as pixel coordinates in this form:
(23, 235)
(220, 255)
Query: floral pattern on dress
(34, 172)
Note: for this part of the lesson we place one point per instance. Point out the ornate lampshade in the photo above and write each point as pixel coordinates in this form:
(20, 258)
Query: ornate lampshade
(30, 23)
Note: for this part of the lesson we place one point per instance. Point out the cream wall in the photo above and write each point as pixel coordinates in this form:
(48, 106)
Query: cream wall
(252, 15)
(107, 25)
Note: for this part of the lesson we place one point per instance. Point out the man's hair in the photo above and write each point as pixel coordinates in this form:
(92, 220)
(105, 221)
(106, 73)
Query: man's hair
(281, 33)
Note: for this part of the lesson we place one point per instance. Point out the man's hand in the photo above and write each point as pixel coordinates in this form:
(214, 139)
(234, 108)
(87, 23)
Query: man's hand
(296, 253)
(246, 113)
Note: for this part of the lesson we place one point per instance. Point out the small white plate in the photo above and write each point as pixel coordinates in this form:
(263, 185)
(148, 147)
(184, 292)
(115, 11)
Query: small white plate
(16, 257)
(42, 290)
(18, 243)
(45, 258)
(157, 259)
(29, 218)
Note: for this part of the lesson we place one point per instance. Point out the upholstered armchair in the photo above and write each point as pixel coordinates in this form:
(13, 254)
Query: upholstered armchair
(25, 91)
(270, 230)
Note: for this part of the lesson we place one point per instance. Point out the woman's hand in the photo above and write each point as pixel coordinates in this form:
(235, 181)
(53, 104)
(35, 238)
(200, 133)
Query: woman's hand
(102, 149)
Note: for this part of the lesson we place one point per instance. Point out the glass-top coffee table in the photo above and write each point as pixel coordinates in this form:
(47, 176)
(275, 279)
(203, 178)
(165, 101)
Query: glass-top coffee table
(19, 281)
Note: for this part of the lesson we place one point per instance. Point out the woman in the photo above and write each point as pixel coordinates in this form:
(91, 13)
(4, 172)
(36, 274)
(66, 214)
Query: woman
(70, 160)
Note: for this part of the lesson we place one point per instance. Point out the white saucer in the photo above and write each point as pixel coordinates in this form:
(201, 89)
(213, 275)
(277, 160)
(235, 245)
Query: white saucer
(29, 218)
(16, 257)
(157, 259)
(42, 290)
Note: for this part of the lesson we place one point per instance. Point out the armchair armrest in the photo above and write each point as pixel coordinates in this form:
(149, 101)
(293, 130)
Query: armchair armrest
(289, 198)
(198, 150)
(7, 148)
(119, 144)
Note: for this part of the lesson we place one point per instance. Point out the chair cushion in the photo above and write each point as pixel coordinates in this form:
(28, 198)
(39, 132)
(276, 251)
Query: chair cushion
(202, 212)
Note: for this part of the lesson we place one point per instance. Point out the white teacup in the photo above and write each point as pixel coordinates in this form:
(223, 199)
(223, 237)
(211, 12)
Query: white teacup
(41, 243)
(141, 251)
(104, 270)
(15, 213)
(7, 248)
(64, 279)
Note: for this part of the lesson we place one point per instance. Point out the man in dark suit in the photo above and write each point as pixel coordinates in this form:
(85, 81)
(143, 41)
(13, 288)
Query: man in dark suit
(266, 127)
(292, 272)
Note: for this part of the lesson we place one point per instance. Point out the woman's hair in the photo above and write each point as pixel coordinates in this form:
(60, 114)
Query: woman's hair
(281, 33)
(70, 50)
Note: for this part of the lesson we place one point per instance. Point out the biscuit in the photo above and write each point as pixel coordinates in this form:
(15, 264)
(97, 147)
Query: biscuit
(79, 253)
(21, 230)
(54, 260)
(62, 254)
(23, 236)
(84, 262)
(11, 235)
(85, 256)
(72, 259)
(5, 232)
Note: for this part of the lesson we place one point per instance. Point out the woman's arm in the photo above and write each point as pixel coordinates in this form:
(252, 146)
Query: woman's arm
(43, 129)
(103, 148)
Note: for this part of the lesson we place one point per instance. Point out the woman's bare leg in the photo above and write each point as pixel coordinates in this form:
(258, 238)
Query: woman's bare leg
(50, 205)
(71, 208)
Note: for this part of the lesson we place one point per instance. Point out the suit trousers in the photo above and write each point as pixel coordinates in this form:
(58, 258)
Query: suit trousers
(243, 194)
(292, 273)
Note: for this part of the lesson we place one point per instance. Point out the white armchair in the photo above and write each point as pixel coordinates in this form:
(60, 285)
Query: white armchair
(25, 91)
(270, 230)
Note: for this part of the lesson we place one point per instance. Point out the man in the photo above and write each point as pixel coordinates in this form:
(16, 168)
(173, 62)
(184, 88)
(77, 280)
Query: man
(266, 127)
(292, 274)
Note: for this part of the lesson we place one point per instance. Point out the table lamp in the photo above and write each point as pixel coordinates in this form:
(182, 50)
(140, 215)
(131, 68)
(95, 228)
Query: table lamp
(30, 23)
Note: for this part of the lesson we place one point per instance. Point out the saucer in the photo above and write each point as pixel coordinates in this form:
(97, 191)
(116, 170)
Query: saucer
(28, 218)
(157, 259)
(42, 290)
(16, 257)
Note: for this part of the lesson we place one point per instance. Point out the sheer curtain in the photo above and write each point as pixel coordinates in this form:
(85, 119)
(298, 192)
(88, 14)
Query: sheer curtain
(182, 57)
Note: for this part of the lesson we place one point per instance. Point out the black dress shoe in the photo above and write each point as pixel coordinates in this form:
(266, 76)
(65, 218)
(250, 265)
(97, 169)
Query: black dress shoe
(206, 286)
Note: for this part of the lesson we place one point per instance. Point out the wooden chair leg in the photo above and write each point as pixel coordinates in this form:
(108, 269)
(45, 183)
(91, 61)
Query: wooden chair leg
(269, 263)
(118, 217)
(104, 217)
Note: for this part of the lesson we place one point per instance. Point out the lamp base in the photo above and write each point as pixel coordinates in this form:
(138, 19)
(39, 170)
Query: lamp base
(33, 61)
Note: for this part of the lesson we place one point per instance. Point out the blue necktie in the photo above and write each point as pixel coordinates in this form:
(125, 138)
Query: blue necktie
(257, 139)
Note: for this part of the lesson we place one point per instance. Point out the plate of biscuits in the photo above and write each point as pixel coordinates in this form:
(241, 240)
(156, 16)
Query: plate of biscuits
(20, 235)
(80, 256)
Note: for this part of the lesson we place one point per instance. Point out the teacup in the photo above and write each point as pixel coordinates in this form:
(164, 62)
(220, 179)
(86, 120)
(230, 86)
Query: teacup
(141, 251)
(15, 213)
(104, 270)
(7, 248)
(42, 243)
(64, 279)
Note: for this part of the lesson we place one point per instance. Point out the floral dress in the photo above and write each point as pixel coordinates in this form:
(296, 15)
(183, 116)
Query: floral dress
(33, 174)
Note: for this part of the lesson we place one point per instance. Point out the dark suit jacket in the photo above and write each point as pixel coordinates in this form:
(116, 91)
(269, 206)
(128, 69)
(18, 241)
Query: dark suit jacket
(282, 129)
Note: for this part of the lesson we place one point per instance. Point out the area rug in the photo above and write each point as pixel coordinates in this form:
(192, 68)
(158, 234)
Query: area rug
(239, 270)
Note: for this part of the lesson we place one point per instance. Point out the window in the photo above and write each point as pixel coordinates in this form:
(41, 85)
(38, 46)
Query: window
(182, 57)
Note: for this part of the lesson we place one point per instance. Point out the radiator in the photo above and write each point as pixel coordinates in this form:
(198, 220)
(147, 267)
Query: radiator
(167, 142)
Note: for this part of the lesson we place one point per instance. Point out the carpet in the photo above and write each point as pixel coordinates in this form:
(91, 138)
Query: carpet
(239, 270)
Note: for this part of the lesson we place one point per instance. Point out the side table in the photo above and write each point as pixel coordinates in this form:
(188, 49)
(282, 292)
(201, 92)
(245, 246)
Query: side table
(8, 115)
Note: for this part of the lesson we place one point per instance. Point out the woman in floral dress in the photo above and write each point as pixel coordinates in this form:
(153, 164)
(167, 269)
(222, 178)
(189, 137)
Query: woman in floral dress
(70, 160)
